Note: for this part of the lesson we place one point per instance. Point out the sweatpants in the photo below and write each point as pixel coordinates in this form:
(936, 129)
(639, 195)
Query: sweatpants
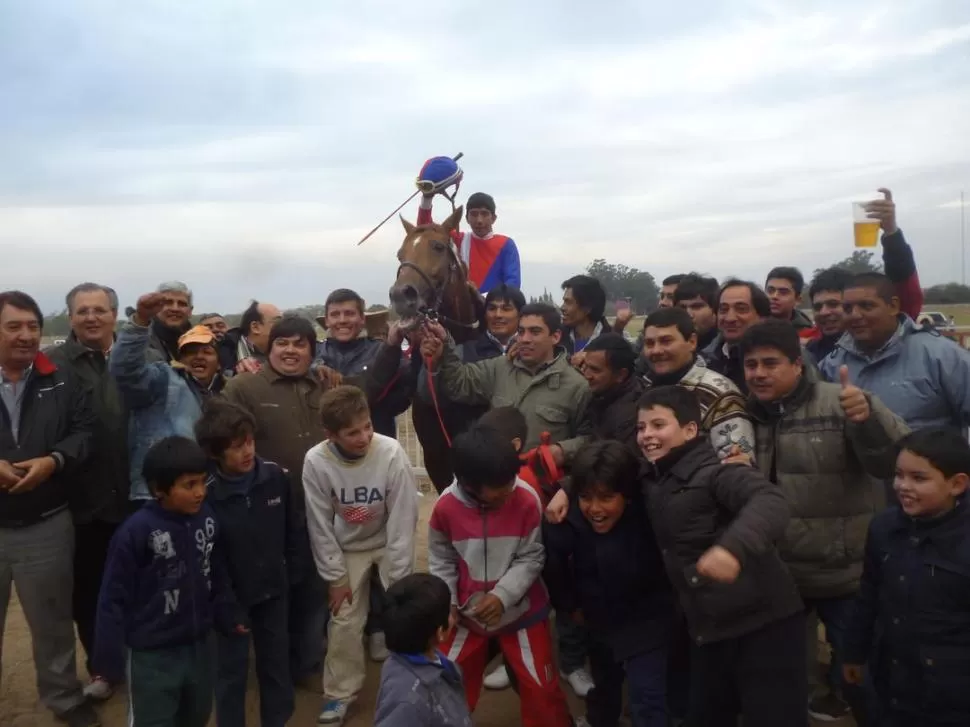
(91, 542)
(344, 667)
(645, 675)
(270, 640)
(528, 654)
(39, 559)
(760, 676)
(170, 687)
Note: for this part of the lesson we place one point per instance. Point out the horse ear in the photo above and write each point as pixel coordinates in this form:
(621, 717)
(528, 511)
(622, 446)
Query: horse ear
(408, 227)
(453, 220)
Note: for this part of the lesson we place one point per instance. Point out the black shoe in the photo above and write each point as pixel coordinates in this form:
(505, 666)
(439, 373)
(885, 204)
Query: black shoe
(82, 715)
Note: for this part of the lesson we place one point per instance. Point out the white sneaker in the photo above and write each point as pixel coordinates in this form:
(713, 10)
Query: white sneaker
(498, 679)
(334, 711)
(98, 689)
(579, 681)
(377, 646)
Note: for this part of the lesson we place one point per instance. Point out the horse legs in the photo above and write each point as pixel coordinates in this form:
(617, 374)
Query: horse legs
(437, 453)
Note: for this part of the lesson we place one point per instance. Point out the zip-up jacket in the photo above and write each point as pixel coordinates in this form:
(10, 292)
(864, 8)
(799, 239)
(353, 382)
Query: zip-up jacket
(55, 419)
(417, 692)
(260, 530)
(476, 550)
(164, 585)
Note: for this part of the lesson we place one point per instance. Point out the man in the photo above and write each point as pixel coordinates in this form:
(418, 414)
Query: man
(549, 392)
(352, 357)
(162, 400)
(697, 294)
(99, 489)
(45, 432)
(920, 375)
(215, 323)
(740, 304)
(492, 259)
(670, 349)
(784, 288)
(820, 443)
(284, 399)
(172, 320)
(668, 288)
(583, 306)
(828, 286)
(245, 348)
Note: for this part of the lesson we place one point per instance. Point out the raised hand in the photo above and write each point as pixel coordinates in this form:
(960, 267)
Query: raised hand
(149, 306)
(853, 399)
(883, 210)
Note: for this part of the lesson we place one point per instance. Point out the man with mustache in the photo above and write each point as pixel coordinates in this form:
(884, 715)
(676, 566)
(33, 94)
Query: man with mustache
(740, 304)
(45, 436)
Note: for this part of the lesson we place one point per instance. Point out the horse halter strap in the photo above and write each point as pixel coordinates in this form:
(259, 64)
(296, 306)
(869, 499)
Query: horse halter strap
(432, 311)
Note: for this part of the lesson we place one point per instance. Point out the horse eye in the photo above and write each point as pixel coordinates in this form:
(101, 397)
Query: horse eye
(438, 246)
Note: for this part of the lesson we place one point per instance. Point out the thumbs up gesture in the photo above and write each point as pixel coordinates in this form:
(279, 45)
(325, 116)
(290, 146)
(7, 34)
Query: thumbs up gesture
(853, 399)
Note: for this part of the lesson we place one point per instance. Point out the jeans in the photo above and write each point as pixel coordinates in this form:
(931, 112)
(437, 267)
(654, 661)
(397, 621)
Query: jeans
(308, 615)
(573, 645)
(834, 614)
(646, 677)
(172, 686)
(268, 633)
(39, 559)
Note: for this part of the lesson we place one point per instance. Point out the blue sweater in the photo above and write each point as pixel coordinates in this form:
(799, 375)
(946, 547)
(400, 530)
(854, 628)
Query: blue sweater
(164, 585)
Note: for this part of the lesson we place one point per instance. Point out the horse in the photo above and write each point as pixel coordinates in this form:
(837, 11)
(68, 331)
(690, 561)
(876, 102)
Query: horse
(432, 282)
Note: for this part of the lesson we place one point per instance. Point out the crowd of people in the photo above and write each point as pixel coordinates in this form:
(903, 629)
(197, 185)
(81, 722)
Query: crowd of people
(657, 520)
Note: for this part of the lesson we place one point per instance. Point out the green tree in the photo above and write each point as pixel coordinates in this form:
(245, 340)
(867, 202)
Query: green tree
(860, 261)
(947, 293)
(625, 283)
(546, 298)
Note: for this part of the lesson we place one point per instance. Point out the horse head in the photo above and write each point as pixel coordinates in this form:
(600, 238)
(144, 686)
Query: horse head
(431, 277)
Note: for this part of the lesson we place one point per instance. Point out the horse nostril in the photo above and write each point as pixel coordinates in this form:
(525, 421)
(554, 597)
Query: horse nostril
(405, 293)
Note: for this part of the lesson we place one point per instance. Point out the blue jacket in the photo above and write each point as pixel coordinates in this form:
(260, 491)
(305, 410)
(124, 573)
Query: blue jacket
(416, 692)
(922, 377)
(161, 400)
(259, 529)
(617, 579)
(911, 620)
(164, 585)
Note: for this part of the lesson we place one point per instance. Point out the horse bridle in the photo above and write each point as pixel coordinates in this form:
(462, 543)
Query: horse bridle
(432, 312)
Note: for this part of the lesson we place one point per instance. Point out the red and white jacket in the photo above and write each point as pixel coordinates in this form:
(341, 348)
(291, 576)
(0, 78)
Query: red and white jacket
(477, 551)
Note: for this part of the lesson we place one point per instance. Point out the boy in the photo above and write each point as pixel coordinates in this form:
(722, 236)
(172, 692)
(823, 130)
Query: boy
(251, 501)
(163, 587)
(716, 526)
(512, 423)
(419, 686)
(603, 567)
(362, 510)
(484, 542)
(914, 603)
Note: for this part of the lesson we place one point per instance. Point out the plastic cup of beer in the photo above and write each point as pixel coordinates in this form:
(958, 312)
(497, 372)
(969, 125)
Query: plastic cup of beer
(866, 230)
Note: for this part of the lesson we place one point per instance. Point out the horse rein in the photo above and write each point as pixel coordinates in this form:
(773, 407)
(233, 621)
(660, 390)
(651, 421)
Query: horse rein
(432, 312)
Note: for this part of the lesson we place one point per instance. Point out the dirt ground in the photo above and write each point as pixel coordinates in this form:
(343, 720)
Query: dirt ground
(18, 695)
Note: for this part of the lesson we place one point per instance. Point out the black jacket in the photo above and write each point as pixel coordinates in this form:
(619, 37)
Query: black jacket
(613, 414)
(616, 578)
(56, 416)
(694, 503)
(911, 620)
(259, 530)
(99, 489)
(164, 341)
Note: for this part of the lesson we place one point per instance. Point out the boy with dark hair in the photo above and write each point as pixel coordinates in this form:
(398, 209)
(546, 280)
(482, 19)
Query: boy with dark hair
(362, 511)
(485, 543)
(603, 567)
(697, 294)
(420, 687)
(583, 306)
(668, 289)
(164, 586)
(260, 527)
(911, 621)
(716, 526)
(784, 287)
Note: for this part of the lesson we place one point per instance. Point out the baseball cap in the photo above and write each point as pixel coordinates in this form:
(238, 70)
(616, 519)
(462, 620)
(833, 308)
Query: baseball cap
(196, 334)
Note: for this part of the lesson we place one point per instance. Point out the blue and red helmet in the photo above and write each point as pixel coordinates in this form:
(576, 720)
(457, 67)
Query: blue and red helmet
(439, 173)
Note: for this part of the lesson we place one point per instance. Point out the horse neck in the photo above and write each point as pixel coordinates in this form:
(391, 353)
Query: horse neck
(457, 305)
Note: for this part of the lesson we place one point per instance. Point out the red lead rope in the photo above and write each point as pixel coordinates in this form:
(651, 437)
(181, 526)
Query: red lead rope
(434, 399)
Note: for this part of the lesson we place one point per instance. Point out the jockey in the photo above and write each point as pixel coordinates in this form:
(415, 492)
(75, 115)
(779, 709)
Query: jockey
(492, 259)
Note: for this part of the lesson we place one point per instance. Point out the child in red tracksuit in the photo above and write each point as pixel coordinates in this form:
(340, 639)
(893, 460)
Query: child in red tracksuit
(485, 543)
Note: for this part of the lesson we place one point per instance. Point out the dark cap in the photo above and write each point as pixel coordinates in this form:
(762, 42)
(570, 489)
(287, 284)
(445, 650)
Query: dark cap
(480, 200)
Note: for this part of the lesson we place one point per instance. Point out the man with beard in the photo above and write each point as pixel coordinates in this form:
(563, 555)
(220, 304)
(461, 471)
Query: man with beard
(284, 399)
(162, 400)
(740, 304)
(216, 323)
(99, 491)
(697, 294)
(45, 432)
(245, 348)
(172, 319)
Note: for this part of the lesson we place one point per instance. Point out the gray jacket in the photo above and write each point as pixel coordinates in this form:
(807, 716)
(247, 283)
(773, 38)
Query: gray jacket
(417, 693)
(921, 376)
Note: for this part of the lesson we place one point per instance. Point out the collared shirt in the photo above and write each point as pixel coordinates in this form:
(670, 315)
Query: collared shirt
(12, 395)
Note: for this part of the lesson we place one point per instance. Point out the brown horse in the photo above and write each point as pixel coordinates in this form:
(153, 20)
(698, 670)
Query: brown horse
(432, 282)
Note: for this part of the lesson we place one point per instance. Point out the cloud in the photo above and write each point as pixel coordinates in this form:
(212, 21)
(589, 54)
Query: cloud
(246, 146)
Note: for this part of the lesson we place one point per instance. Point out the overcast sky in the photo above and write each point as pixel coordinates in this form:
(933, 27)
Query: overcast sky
(244, 146)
